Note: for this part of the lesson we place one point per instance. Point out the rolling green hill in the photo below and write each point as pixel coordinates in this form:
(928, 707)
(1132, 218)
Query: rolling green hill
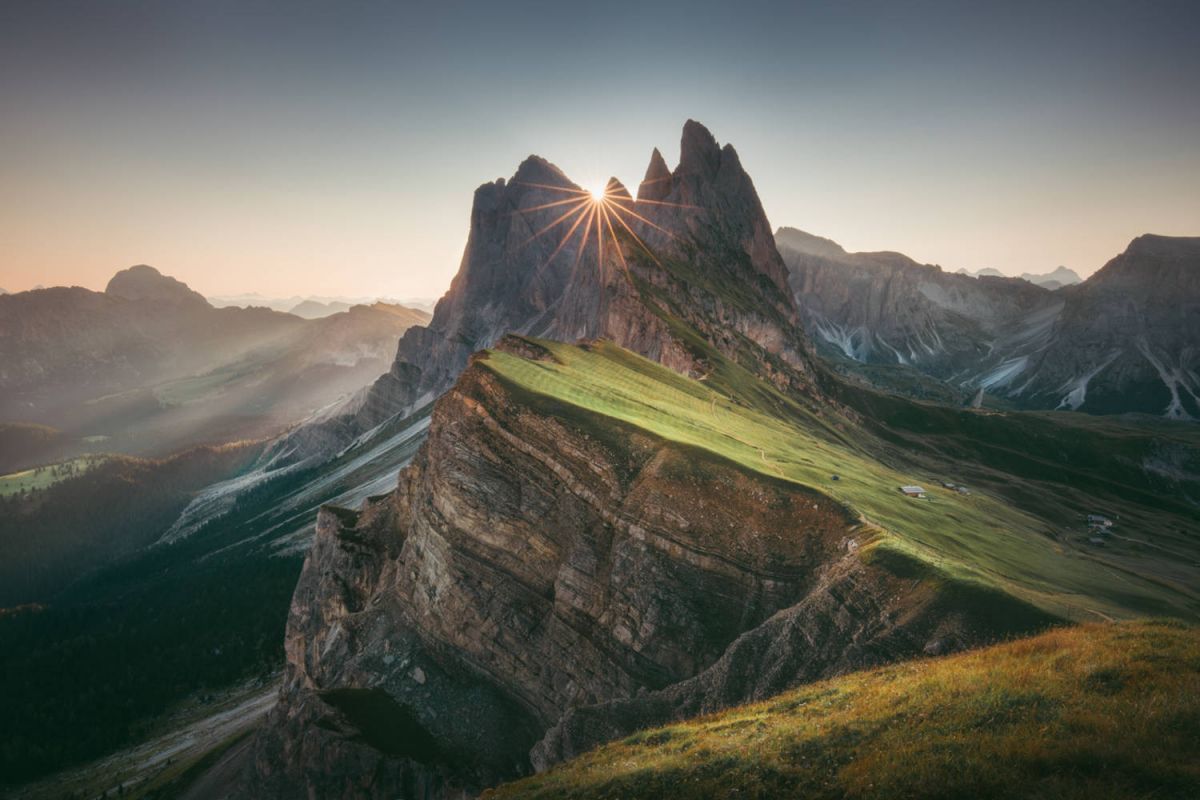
(1096, 711)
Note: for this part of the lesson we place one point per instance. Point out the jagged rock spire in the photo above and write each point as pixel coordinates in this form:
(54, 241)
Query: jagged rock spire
(709, 199)
(614, 188)
(699, 152)
(657, 183)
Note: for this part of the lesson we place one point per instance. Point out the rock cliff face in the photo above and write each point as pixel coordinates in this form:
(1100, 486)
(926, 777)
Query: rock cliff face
(544, 579)
(694, 246)
(1124, 340)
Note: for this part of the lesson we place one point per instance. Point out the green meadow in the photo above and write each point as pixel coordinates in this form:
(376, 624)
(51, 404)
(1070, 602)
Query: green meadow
(984, 537)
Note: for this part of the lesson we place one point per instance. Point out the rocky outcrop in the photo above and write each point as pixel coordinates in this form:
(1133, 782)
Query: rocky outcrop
(542, 574)
(1124, 340)
(695, 245)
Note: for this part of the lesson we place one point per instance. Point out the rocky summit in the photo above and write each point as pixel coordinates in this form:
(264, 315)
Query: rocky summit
(693, 246)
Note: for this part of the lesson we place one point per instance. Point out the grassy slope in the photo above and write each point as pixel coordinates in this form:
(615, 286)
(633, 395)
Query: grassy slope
(35, 478)
(1089, 712)
(982, 537)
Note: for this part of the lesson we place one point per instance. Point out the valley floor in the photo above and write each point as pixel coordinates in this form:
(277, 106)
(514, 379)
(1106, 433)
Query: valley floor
(195, 734)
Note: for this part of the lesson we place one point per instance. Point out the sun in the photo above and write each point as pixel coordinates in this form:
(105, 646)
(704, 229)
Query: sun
(598, 213)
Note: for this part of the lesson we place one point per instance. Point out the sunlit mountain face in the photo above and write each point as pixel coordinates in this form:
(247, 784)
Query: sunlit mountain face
(638, 494)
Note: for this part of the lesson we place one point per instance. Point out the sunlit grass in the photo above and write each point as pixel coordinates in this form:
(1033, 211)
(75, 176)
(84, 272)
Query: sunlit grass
(43, 477)
(976, 538)
(1097, 711)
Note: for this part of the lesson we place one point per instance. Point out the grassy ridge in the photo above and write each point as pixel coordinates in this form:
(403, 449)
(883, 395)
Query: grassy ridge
(1097, 711)
(982, 537)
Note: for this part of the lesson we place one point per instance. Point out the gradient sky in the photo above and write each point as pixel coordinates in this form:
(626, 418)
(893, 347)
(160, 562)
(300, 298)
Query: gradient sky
(333, 148)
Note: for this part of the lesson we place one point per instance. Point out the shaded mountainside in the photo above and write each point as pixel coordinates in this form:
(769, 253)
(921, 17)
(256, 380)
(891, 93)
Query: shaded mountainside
(204, 607)
(151, 365)
(1123, 340)
(882, 309)
(694, 246)
(1099, 711)
(52, 536)
(589, 543)
(1129, 336)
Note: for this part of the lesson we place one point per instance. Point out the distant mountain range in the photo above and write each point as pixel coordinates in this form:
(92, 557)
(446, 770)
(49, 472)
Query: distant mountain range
(149, 365)
(313, 306)
(1056, 279)
(1123, 340)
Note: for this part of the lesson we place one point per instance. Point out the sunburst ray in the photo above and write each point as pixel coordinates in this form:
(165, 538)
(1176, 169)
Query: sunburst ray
(553, 188)
(578, 208)
(555, 204)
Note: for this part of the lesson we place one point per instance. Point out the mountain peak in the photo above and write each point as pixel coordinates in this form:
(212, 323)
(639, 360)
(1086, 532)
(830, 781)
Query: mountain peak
(1167, 267)
(535, 169)
(657, 183)
(615, 188)
(805, 242)
(698, 150)
(710, 200)
(1154, 244)
(143, 282)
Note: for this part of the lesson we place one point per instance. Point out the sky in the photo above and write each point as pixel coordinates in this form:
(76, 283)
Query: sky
(333, 147)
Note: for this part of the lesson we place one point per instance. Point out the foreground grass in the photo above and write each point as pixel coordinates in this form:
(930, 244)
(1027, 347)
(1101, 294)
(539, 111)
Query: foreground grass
(978, 538)
(1097, 711)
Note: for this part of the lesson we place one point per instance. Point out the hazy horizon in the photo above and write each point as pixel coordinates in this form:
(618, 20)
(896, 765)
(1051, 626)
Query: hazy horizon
(316, 149)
